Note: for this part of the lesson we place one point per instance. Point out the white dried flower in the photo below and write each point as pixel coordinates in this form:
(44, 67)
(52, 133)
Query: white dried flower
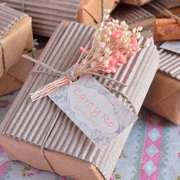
(102, 45)
(146, 45)
(106, 62)
(100, 59)
(123, 23)
(108, 11)
(134, 30)
(138, 35)
(140, 28)
(93, 64)
(84, 61)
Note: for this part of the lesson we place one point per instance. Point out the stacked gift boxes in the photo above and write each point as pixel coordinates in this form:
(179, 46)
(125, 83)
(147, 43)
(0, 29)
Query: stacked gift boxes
(41, 129)
(48, 14)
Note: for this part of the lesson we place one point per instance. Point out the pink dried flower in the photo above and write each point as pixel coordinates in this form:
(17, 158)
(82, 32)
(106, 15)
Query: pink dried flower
(112, 176)
(132, 53)
(83, 50)
(110, 47)
(134, 41)
(122, 59)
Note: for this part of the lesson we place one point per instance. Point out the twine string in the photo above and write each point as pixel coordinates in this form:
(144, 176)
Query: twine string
(102, 9)
(167, 13)
(23, 6)
(44, 142)
(3, 56)
(70, 75)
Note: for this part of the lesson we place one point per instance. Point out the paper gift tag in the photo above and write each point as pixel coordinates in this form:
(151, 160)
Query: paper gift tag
(94, 109)
(173, 46)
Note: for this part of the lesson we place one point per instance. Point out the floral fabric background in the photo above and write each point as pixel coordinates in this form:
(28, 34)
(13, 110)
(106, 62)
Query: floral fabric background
(152, 152)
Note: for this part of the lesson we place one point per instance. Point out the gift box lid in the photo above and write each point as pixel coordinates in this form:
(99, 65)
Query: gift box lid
(29, 121)
(8, 17)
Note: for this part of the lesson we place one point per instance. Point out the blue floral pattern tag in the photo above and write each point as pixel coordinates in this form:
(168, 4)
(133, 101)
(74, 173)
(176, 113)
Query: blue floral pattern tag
(94, 109)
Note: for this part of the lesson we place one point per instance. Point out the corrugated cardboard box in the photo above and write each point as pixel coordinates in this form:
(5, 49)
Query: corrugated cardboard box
(47, 14)
(68, 151)
(159, 7)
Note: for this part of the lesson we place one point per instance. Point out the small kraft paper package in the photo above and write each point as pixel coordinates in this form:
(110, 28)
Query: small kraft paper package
(164, 95)
(47, 14)
(80, 128)
(15, 37)
(166, 29)
(16, 76)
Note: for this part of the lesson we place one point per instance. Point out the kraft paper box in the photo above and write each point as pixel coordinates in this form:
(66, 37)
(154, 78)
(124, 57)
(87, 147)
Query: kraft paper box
(17, 75)
(136, 2)
(15, 37)
(164, 95)
(134, 16)
(47, 14)
(68, 150)
(166, 29)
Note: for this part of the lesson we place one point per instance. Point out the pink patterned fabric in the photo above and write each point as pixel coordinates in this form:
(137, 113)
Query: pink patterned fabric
(152, 152)
(154, 145)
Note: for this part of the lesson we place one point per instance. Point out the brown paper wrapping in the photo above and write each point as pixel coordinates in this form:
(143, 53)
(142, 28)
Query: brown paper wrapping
(90, 12)
(48, 14)
(18, 38)
(61, 163)
(17, 75)
(166, 29)
(163, 97)
(135, 2)
(69, 151)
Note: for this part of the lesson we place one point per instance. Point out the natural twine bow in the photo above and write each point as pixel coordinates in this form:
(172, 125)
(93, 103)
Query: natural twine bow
(69, 76)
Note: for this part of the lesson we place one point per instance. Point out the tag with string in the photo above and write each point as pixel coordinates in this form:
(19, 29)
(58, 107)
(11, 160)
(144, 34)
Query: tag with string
(94, 110)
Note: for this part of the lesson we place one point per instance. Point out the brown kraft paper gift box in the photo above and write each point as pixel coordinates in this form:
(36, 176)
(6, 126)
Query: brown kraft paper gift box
(68, 151)
(163, 97)
(15, 37)
(16, 76)
(166, 29)
(47, 14)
